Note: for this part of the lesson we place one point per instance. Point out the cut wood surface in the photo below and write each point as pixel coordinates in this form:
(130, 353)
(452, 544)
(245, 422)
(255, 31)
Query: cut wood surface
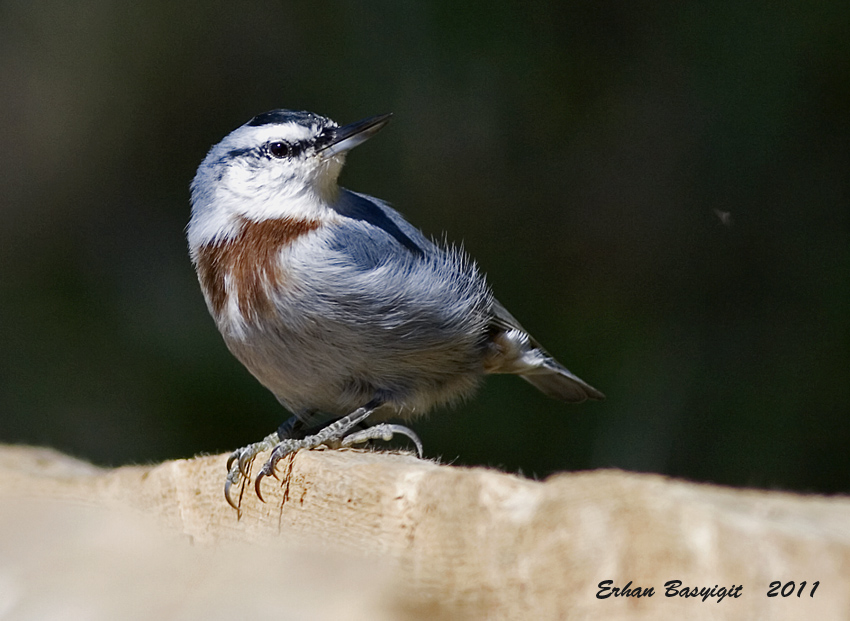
(354, 535)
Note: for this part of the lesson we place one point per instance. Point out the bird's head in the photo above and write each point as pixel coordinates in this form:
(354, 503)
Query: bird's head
(280, 164)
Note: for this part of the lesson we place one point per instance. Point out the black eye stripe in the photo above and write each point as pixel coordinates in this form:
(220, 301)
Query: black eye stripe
(236, 153)
(291, 151)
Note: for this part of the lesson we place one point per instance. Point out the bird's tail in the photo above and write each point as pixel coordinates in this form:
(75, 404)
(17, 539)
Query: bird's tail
(515, 351)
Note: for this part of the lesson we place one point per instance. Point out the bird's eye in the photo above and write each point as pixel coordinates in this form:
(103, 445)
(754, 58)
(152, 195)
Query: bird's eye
(280, 149)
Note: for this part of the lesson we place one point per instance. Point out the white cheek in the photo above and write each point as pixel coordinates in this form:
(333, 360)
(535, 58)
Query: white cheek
(251, 182)
(282, 191)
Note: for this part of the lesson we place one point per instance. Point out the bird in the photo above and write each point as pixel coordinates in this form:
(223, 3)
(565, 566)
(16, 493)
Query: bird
(339, 306)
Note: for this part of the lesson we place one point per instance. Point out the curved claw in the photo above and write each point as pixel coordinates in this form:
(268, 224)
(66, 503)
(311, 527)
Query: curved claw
(231, 459)
(227, 485)
(245, 460)
(232, 477)
(257, 482)
(404, 431)
(270, 467)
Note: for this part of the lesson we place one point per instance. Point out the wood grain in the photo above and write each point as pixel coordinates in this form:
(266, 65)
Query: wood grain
(436, 541)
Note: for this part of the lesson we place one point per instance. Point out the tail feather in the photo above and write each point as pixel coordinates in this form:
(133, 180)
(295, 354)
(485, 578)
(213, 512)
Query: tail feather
(517, 352)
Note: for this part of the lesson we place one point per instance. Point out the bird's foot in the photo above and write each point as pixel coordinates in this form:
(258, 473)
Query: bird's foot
(338, 434)
(240, 460)
(332, 435)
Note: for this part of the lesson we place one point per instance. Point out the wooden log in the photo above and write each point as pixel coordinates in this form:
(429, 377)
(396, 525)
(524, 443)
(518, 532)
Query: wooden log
(355, 534)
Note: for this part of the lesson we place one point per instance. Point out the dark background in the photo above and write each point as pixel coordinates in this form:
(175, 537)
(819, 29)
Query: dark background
(582, 152)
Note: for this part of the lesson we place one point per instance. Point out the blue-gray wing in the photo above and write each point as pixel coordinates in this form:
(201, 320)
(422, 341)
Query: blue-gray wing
(374, 231)
(373, 269)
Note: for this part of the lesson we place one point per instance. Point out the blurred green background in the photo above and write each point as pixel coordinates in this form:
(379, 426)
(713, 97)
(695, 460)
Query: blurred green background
(657, 190)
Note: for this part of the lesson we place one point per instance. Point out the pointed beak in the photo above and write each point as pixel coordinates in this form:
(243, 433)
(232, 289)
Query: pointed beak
(335, 140)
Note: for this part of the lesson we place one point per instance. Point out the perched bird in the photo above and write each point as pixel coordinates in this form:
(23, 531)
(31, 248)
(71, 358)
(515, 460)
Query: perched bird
(347, 313)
